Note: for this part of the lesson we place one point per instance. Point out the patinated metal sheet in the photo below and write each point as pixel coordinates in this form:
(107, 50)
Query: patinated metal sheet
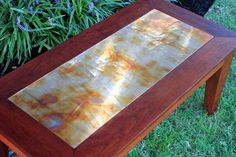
(80, 96)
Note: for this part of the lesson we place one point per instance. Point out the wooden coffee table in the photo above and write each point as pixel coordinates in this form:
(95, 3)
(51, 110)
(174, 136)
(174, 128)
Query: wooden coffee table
(101, 92)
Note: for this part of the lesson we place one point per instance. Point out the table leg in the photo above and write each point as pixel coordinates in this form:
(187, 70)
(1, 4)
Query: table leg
(3, 150)
(215, 85)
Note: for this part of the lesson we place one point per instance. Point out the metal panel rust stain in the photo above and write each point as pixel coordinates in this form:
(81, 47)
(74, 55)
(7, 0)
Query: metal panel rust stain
(80, 96)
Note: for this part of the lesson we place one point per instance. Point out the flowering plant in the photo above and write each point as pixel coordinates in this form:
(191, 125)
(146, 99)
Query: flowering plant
(28, 27)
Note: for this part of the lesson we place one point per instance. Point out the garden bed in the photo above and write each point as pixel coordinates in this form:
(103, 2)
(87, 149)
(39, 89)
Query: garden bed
(29, 28)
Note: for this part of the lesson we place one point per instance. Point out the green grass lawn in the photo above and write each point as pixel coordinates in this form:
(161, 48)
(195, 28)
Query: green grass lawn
(189, 131)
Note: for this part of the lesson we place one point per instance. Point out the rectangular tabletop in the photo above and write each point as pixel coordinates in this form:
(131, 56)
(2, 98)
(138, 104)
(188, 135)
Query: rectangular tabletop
(105, 86)
(80, 96)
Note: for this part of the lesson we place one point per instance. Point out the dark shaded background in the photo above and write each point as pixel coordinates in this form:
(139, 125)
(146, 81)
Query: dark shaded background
(199, 7)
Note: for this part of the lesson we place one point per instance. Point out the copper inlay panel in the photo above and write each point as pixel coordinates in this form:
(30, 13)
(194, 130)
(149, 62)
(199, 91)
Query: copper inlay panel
(80, 96)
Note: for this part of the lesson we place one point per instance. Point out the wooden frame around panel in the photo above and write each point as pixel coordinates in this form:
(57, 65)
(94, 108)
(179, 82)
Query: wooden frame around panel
(29, 138)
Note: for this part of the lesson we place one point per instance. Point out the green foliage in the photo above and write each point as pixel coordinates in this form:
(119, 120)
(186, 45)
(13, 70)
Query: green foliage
(33, 26)
(224, 13)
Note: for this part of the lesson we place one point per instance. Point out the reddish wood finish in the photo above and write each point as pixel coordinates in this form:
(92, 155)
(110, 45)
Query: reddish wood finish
(3, 150)
(127, 128)
(12, 146)
(215, 85)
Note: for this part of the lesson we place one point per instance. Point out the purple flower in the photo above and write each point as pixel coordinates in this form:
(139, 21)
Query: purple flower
(23, 28)
(50, 20)
(57, 1)
(37, 2)
(91, 7)
(31, 8)
(18, 20)
(68, 5)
